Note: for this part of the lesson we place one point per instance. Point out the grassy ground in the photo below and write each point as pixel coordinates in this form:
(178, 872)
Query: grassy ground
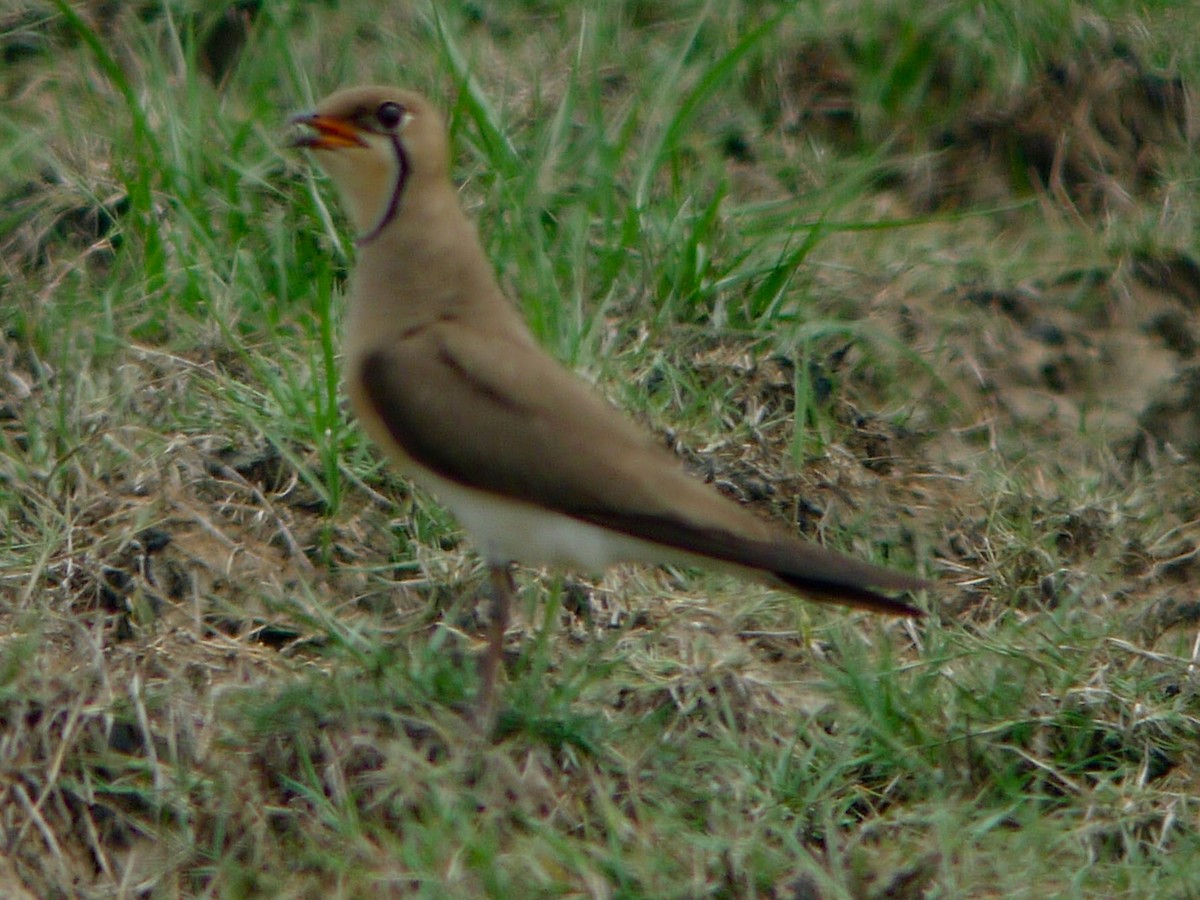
(920, 279)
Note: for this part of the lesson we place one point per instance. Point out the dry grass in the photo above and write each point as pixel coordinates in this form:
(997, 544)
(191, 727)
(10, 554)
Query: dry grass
(924, 287)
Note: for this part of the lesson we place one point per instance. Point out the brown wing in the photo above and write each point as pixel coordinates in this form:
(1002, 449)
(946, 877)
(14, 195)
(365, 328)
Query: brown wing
(504, 418)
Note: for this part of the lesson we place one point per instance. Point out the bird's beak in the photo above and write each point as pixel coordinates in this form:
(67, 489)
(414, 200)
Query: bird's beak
(318, 132)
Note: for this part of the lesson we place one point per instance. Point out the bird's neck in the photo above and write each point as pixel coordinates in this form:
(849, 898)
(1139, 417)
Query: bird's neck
(425, 265)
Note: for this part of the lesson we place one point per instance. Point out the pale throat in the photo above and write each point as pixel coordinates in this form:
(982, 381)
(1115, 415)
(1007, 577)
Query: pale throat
(366, 179)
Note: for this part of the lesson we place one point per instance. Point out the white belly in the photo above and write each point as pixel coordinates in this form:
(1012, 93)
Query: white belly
(509, 531)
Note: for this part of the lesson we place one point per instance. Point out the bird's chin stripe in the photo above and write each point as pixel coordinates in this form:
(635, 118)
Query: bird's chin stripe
(394, 201)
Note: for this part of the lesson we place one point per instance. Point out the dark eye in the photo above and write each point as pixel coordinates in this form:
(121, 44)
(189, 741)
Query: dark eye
(389, 114)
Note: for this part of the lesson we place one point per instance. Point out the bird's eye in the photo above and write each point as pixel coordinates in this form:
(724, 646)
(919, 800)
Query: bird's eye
(389, 114)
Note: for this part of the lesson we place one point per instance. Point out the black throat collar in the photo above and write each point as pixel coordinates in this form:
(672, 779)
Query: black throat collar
(393, 206)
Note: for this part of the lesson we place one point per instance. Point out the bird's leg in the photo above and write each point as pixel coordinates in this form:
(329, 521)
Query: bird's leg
(503, 589)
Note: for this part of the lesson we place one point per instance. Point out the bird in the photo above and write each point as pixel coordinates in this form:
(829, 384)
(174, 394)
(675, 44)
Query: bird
(444, 375)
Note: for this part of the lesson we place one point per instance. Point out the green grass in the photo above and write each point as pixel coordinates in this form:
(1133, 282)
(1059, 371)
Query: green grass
(237, 652)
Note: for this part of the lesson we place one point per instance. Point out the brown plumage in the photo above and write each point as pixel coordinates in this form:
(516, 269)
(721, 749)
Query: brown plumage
(447, 379)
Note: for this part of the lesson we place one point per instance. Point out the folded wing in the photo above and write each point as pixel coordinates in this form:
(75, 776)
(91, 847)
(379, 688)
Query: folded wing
(509, 420)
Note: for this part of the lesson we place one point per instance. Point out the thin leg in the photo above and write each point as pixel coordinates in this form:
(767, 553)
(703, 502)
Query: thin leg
(489, 666)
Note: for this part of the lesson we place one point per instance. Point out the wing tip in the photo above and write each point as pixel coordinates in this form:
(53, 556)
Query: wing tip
(861, 596)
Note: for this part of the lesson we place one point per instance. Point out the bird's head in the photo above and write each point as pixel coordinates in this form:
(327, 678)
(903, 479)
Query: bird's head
(376, 144)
